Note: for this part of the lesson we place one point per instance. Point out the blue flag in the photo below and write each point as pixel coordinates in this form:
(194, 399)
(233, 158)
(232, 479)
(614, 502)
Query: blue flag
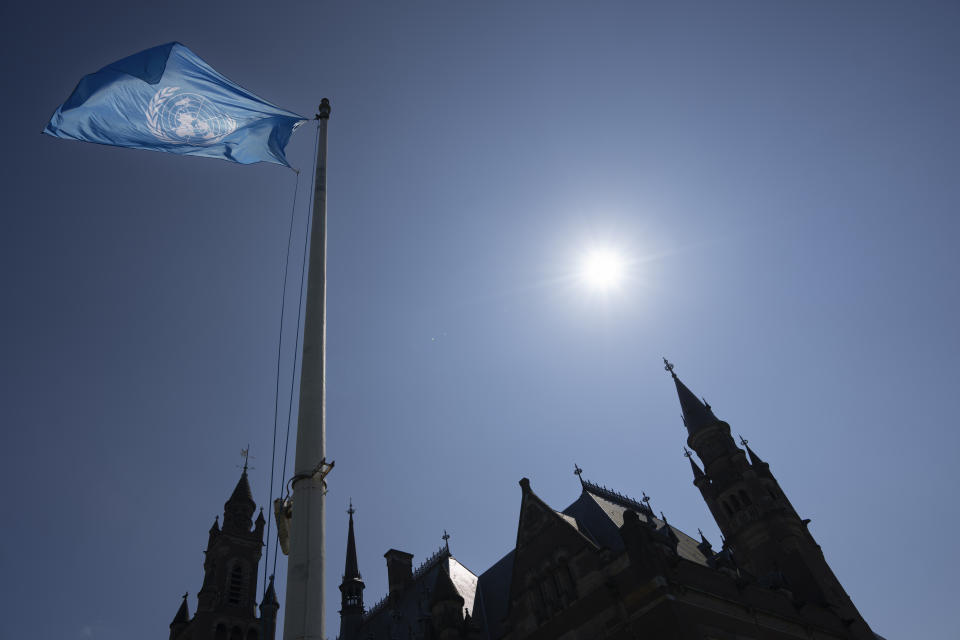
(168, 99)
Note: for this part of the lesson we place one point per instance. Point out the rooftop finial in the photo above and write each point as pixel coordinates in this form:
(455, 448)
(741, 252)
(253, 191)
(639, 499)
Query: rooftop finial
(686, 453)
(577, 471)
(245, 454)
(667, 365)
(185, 594)
(646, 501)
(350, 509)
(743, 440)
(446, 539)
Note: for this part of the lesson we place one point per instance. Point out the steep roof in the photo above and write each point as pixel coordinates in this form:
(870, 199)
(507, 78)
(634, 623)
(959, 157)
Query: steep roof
(598, 513)
(409, 608)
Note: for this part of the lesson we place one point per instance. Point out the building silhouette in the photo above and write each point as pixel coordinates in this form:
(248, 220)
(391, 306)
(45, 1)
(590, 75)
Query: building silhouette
(226, 603)
(607, 567)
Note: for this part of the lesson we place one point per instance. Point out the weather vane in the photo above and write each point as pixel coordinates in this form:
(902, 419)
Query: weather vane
(245, 454)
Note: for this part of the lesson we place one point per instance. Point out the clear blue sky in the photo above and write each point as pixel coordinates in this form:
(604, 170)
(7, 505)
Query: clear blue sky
(783, 175)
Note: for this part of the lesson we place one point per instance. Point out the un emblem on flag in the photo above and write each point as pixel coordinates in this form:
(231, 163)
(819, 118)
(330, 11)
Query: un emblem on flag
(183, 117)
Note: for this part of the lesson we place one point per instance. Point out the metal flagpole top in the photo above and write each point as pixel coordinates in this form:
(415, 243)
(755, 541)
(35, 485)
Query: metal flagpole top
(323, 111)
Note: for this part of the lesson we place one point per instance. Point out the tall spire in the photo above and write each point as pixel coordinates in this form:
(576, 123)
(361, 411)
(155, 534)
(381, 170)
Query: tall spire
(351, 589)
(697, 414)
(351, 570)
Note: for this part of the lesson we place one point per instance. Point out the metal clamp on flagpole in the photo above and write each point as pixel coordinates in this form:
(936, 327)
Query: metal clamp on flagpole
(283, 507)
(322, 469)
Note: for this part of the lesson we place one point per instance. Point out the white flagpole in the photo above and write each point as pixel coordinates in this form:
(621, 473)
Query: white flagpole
(304, 612)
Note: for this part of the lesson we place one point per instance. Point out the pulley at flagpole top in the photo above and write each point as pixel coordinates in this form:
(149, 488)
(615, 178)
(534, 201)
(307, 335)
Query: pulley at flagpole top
(305, 602)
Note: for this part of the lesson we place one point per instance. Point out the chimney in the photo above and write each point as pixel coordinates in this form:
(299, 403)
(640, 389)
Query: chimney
(399, 569)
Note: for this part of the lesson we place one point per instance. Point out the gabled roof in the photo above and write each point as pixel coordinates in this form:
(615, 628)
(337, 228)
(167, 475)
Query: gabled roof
(408, 609)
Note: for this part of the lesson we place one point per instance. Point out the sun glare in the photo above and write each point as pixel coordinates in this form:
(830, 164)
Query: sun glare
(602, 269)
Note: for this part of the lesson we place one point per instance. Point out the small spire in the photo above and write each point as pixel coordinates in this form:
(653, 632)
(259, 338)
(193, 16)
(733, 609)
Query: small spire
(755, 460)
(270, 595)
(577, 471)
(705, 547)
(446, 540)
(183, 613)
(697, 471)
(215, 528)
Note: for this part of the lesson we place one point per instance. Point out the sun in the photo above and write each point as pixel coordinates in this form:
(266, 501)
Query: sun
(602, 269)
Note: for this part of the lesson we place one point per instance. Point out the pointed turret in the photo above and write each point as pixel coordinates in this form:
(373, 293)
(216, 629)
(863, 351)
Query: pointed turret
(181, 619)
(268, 611)
(238, 509)
(351, 589)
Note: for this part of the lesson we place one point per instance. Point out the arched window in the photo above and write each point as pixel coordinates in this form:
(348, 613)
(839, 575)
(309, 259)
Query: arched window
(727, 507)
(734, 501)
(235, 584)
(745, 497)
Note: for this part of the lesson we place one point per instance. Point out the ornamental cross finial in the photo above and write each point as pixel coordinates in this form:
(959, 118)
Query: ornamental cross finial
(185, 594)
(577, 471)
(446, 539)
(743, 440)
(668, 366)
(351, 510)
(686, 453)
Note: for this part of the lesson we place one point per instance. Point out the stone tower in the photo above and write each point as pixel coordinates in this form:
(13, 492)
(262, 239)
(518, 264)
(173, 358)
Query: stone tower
(351, 589)
(226, 603)
(766, 536)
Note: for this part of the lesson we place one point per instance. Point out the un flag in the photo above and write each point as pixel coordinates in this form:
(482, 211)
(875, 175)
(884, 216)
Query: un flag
(168, 99)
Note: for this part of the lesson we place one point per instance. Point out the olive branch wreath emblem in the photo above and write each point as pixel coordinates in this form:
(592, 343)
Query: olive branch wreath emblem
(153, 113)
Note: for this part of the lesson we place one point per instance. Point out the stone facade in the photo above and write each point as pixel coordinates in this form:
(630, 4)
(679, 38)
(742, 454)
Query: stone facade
(607, 568)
